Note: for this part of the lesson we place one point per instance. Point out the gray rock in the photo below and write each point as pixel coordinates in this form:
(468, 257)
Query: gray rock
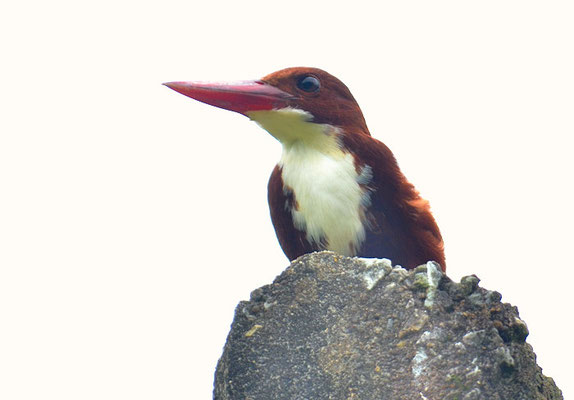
(333, 327)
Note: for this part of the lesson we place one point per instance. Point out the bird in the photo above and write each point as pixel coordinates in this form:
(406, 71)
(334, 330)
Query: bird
(335, 187)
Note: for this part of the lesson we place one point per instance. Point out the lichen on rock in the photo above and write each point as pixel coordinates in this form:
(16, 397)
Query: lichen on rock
(333, 327)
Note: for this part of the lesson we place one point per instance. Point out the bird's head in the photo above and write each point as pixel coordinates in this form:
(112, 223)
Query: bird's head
(295, 105)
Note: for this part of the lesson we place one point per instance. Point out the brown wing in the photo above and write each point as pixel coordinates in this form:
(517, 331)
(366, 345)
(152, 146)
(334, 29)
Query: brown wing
(400, 225)
(405, 233)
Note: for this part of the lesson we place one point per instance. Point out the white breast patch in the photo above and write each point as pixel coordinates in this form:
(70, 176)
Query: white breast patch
(329, 193)
(329, 199)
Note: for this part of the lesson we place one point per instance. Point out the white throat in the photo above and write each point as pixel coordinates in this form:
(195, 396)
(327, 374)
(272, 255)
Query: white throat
(329, 199)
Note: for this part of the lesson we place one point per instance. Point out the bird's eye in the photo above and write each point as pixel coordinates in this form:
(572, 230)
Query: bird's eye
(309, 84)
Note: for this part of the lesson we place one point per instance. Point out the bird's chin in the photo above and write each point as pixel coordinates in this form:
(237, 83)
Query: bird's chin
(294, 127)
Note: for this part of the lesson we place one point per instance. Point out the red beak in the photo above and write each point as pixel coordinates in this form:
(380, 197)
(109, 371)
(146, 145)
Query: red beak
(240, 97)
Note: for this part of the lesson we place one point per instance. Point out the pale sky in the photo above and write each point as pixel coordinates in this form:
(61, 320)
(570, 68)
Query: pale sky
(134, 219)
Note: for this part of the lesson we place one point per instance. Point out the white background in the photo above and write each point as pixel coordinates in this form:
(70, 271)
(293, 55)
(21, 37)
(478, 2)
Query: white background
(133, 219)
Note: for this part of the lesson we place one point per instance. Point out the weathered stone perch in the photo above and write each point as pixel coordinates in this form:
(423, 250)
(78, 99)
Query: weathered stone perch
(333, 327)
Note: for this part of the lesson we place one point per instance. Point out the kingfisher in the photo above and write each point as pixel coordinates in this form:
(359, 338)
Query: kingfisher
(335, 187)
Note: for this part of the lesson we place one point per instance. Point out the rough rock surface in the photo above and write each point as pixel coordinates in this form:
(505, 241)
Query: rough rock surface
(333, 327)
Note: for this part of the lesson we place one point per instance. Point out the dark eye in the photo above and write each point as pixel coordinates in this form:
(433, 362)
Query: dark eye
(309, 84)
